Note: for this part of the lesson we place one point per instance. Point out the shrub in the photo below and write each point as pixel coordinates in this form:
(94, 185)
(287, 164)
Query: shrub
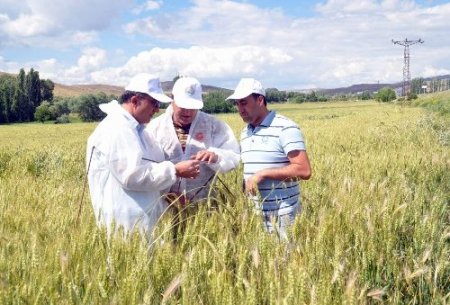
(385, 95)
(215, 102)
(63, 119)
(44, 112)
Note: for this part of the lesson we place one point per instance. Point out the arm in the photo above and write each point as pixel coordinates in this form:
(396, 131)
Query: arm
(298, 168)
(126, 164)
(224, 153)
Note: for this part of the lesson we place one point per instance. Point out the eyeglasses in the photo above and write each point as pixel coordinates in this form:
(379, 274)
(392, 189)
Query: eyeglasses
(155, 103)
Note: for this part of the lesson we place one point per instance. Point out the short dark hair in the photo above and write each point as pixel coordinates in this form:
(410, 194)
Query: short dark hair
(257, 95)
(126, 96)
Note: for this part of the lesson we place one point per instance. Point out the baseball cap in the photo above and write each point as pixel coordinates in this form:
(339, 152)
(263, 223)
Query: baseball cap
(187, 93)
(148, 84)
(246, 87)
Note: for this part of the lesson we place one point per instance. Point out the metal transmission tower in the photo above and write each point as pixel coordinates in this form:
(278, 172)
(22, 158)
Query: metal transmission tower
(406, 89)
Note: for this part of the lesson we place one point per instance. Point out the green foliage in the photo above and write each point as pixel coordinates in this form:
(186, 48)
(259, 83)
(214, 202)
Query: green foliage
(47, 87)
(7, 86)
(63, 119)
(44, 113)
(373, 229)
(438, 102)
(215, 102)
(299, 97)
(87, 107)
(33, 89)
(416, 86)
(365, 96)
(273, 95)
(385, 94)
(21, 95)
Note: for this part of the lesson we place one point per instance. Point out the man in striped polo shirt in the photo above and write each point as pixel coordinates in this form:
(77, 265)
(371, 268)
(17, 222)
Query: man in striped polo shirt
(274, 156)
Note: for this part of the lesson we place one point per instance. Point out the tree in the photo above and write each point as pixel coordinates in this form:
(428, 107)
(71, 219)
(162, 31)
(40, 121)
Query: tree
(273, 95)
(33, 92)
(416, 85)
(365, 96)
(47, 87)
(60, 107)
(386, 94)
(43, 112)
(311, 97)
(88, 107)
(20, 106)
(215, 102)
(7, 87)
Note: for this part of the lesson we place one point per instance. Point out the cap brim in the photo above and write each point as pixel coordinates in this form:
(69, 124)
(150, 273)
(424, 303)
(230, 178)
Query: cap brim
(238, 96)
(160, 97)
(188, 103)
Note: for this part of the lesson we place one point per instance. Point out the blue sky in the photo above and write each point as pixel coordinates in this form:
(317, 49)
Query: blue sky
(285, 44)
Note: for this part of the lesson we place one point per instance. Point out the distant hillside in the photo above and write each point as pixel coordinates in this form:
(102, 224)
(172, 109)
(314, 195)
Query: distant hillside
(358, 88)
(77, 90)
(353, 89)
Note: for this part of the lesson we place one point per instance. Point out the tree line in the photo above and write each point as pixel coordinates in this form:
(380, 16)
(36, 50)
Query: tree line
(26, 97)
(20, 95)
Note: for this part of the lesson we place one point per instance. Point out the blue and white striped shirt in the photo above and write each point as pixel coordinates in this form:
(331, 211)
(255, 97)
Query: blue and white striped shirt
(267, 146)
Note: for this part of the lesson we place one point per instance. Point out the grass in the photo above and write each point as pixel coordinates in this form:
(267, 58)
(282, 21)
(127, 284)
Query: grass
(374, 226)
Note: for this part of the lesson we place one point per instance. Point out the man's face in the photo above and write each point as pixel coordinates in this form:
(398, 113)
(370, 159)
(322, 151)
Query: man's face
(146, 107)
(251, 109)
(182, 116)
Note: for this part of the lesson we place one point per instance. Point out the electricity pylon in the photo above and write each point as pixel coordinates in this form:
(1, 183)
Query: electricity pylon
(406, 89)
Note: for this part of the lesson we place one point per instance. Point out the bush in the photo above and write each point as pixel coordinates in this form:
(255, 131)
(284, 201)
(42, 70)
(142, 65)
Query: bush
(215, 102)
(88, 107)
(63, 119)
(44, 112)
(386, 95)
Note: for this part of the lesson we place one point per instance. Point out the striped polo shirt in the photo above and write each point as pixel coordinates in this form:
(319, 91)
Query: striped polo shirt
(267, 146)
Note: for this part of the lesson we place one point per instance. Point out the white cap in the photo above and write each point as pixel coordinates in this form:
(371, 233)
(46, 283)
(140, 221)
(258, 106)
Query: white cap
(148, 84)
(187, 93)
(246, 87)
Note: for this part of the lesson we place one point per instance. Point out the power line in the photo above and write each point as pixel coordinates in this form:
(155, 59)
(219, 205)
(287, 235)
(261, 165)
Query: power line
(406, 89)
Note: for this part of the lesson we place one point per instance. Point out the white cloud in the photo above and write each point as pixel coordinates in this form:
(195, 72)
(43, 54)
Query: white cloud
(430, 71)
(343, 6)
(33, 22)
(92, 59)
(147, 6)
(345, 42)
(213, 64)
(215, 24)
(28, 26)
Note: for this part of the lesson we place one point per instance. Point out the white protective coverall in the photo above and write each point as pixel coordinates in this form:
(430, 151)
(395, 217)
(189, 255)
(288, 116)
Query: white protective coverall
(206, 132)
(126, 172)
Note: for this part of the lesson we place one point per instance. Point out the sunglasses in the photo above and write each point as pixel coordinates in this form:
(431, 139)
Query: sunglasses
(155, 103)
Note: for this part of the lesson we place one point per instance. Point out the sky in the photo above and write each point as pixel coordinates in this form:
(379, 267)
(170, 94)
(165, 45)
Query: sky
(284, 44)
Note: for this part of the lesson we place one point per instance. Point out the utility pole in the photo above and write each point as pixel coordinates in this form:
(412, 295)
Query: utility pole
(406, 89)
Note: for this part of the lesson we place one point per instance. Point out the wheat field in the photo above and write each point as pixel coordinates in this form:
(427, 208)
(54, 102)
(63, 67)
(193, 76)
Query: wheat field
(374, 227)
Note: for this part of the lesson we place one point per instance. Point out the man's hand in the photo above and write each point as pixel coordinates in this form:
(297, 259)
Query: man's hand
(205, 156)
(188, 169)
(251, 185)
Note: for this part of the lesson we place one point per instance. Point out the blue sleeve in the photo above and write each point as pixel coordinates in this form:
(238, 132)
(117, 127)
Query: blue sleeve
(291, 138)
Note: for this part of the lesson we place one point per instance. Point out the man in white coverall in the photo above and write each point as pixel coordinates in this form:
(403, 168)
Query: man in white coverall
(126, 167)
(186, 133)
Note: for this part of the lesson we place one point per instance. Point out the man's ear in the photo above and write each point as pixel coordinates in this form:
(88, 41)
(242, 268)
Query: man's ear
(261, 99)
(135, 100)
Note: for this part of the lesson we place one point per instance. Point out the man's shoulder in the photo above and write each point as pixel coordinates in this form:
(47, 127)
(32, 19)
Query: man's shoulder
(158, 121)
(208, 116)
(212, 119)
(283, 119)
